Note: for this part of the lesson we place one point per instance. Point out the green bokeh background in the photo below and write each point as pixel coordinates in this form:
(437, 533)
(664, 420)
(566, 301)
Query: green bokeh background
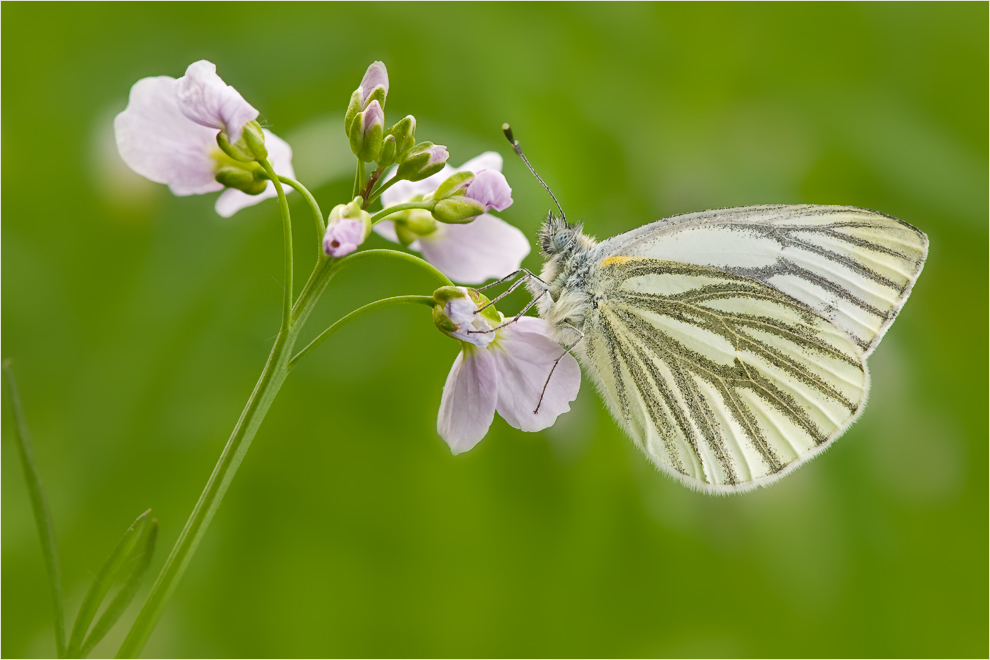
(139, 322)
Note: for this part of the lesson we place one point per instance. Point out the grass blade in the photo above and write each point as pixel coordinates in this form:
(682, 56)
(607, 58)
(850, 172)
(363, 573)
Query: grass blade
(42, 514)
(126, 593)
(105, 579)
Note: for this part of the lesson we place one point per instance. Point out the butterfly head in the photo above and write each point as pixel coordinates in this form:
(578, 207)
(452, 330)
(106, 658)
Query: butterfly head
(559, 237)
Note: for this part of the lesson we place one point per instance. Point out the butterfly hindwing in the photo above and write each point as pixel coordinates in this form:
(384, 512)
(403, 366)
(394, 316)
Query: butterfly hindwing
(853, 266)
(721, 380)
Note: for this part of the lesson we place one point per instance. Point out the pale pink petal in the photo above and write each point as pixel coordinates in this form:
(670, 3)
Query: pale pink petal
(467, 407)
(403, 191)
(280, 156)
(375, 76)
(343, 237)
(490, 160)
(525, 359)
(207, 100)
(372, 116)
(480, 250)
(490, 189)
(160, 143)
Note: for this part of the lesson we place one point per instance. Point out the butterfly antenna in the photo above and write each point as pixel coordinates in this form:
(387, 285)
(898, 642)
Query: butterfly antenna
(515, 146)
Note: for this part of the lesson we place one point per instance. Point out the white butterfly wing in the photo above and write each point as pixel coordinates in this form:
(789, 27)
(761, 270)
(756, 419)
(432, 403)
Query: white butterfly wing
(723, 381)
(853, 266)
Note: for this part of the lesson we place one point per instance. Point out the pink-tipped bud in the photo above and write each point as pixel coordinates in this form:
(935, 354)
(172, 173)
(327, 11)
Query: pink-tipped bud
(343, 237)
(490, 189)
(347, 228)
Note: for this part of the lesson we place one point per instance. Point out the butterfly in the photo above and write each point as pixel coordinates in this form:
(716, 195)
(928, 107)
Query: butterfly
(730, 344)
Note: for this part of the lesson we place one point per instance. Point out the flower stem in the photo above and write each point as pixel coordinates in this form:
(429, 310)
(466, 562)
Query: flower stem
(286, 244)
(272, 377)
(357, 313)
(39, 505)
(378, 191)
(394, 254)
(358, 178)
(384, 213)
(313, 206)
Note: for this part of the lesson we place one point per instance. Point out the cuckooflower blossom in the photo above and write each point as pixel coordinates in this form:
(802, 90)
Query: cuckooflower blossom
(508, 375)
(168, 134)
(474, 252)
(343, 237)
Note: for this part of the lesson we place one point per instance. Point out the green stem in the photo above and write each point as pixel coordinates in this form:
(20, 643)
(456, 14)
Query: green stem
(39, 505)
(313, 206)
(378, 191)
(384, 213)
(356, 314)
(358, 178)
(272, 377)
(394, 254)
(283, 206)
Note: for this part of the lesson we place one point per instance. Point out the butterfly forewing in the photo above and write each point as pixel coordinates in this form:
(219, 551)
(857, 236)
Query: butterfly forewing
(853, 266)
(720, 379)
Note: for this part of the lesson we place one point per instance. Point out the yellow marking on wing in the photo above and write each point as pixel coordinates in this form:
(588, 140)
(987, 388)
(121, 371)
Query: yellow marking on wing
(618, 260)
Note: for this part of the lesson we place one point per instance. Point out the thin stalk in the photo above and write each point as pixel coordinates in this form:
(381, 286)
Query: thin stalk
(358, 178)
(378, 191)
(272, 377)
(394, 254)
(42, 514)
(356, 314)
(283, 206)
(384, 213)
(313, 206)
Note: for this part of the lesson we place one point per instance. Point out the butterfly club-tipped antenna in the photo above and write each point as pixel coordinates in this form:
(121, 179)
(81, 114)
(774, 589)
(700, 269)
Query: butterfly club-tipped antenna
(515, 147)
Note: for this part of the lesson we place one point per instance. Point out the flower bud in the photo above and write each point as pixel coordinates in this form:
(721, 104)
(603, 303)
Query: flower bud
(387, 156)
(454, 185)
(456, 315)
(367, 131)
(490, 189)
(457, 210)
(252, 182)
(347, 227)
(421, 161)
(238, 150)
(373, 87)
(254, 138)
(412, 224)
(405, 135)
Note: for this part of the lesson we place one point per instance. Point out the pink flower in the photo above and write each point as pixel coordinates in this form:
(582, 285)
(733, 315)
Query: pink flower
(470, 253)
(157, 138)
(508, 375)
(343, 237)
(207, 100)
(490, 189)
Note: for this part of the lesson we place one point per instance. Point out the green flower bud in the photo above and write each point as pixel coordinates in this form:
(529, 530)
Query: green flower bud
(242, 179)
(254, 138)
(387, 156)
(367, 131)
(353, 108)
(454, 185)
(238, 151)
(458, 210)
(405, 135)
(423, 160)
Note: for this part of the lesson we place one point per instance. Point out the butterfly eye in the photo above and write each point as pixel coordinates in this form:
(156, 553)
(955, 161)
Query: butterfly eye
(561, 240)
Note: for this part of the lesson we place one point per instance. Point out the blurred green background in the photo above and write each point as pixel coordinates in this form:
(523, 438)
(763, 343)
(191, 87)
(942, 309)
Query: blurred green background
(138, 323)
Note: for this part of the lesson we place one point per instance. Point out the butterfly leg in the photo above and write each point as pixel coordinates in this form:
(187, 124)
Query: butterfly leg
(515, 285)
(515, 318)
(556, 362)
